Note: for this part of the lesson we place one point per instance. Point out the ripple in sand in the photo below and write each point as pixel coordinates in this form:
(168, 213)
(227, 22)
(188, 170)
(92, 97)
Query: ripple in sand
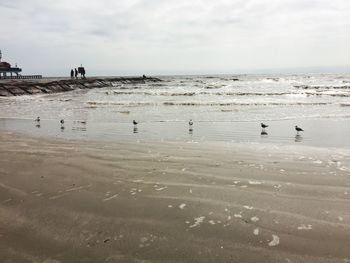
(254, 182)
(304, 227)
(161, 188)
(110, 198)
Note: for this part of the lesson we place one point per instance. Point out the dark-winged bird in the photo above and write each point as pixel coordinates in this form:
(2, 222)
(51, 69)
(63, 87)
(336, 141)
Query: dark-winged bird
(264, 125)
(190, 122)
(298, 129)
(37, 119)
(134, 122)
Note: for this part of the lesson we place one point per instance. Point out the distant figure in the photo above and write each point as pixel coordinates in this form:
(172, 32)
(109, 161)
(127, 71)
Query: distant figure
(264, 125)
(83, 73)
(298, 129)
(190, 123)
(76, 73)
(144, 76)
(62, 124)
(134, 122)
(72, 74)
(81, 70)
(37, 119)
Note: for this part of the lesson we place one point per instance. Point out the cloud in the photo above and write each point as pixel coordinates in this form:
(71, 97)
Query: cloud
(176, 35)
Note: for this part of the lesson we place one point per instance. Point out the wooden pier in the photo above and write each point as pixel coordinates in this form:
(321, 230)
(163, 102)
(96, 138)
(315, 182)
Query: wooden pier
(22, 77)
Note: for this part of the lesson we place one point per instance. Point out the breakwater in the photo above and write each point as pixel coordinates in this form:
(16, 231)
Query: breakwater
(10, 88)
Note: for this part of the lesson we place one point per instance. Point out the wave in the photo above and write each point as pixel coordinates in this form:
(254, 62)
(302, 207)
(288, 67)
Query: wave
(321, 87)
(196, 103)
(173, 94)
(201, 103)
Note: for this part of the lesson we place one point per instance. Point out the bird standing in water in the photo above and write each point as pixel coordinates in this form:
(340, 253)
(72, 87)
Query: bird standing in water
(190, 122)
(264, 125)
(134, 122)
(62, 124)
(37, 119)
(298, 129)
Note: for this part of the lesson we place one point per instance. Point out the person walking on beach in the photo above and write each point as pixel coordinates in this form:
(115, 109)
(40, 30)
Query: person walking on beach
(71, 73)
(76, 73)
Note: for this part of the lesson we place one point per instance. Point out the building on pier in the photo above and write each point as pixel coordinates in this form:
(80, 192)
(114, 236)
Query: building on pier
(6, 69)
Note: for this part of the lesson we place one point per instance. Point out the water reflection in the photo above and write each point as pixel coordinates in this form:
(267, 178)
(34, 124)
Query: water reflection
(190, 131)
(79, 129)
(135, 130)
(298, 138)
(37, 125)
(264, 134)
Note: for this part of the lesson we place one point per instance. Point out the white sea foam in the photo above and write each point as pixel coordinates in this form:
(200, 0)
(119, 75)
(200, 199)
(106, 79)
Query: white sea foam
(182, 206)
(275, 241)
(305, 227)
(197, 221)
(256, 231)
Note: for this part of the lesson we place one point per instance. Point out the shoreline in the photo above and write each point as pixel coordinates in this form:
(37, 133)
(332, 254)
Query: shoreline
(14, 87)
(171, 202)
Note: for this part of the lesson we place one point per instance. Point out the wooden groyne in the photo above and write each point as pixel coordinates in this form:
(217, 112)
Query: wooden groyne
(10, 88)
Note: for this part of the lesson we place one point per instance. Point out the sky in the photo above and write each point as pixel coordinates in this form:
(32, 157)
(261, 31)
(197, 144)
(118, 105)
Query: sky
(152, 37)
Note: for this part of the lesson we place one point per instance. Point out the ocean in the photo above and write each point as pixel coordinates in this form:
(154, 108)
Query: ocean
(224, 108)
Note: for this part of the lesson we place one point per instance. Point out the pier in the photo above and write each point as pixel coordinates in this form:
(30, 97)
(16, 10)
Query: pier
(9, 72)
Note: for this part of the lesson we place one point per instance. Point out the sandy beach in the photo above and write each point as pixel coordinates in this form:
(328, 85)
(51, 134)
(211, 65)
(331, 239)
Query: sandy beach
(94, 201)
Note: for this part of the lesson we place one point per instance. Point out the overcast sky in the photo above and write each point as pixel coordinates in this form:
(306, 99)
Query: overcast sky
(118, 37)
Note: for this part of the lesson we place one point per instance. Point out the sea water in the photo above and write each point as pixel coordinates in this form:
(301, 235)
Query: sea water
(223, 108)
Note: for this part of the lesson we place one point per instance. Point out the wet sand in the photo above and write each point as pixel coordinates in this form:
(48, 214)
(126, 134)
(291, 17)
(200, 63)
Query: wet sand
(85, 201)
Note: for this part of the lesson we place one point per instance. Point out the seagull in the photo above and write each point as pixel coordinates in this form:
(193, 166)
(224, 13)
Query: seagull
(134, 122)
(298, 129)
(190, 122)
(264, 125)
(37, 119)
(62, 121)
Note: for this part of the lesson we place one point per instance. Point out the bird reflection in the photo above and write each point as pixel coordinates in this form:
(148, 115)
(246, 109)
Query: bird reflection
(298, 138)
(264, 133)
(190, 131)
(135, 130)
(37, 125)
(79, 126)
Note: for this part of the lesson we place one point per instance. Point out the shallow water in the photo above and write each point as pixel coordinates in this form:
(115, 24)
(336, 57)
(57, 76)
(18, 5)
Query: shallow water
(224, 108)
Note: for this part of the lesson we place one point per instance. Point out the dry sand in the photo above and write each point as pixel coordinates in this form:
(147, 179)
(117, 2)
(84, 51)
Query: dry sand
(84, 201)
